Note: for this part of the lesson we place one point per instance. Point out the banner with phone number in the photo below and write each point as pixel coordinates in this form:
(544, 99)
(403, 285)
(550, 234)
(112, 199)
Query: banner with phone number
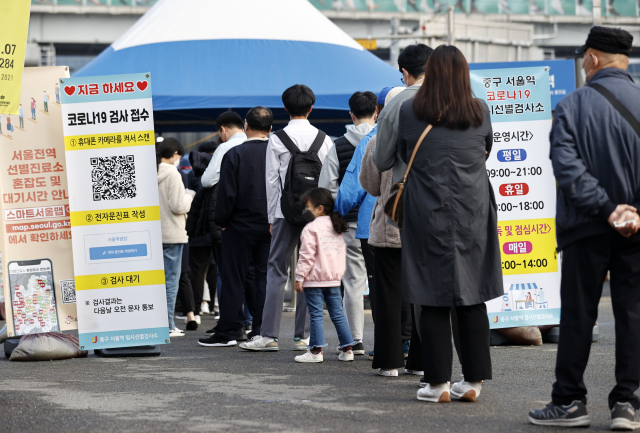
(14, 26)
(525, 188)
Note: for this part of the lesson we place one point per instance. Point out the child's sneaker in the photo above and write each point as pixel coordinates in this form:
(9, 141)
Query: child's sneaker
(346, 354)
(310, 357)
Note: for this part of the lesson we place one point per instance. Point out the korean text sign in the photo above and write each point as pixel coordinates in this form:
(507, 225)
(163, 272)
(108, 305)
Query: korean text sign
(522, 177)
(34, 206)
(115, 214)
(14, 26)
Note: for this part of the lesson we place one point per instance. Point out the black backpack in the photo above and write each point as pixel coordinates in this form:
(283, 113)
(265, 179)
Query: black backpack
(303, 173)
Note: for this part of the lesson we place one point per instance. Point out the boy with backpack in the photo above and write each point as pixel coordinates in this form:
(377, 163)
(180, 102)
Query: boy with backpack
(294, 160)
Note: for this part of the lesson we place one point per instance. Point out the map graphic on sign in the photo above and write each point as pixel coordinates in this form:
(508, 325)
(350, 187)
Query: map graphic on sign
(34, 305)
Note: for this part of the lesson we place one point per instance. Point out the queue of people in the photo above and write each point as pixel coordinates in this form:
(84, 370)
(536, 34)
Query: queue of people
(264, 193)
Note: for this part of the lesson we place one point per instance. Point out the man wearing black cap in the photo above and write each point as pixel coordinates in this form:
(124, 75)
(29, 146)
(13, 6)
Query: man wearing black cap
(595, 152)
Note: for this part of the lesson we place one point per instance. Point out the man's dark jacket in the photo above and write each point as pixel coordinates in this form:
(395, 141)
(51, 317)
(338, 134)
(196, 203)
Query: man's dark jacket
(596, 156)
(242, 191)
(200, 219)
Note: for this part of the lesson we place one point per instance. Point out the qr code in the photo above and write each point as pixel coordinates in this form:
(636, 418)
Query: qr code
(68, 289)
(113, 177)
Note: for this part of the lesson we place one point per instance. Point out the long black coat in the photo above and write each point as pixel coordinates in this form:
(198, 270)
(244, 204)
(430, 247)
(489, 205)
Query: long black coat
(450, 247)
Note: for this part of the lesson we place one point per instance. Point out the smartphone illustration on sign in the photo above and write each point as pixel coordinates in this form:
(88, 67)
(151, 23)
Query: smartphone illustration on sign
(33, 297)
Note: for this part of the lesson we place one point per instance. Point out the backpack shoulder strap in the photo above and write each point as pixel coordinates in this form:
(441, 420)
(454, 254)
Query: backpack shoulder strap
(624, 112)
(286, 140)
(317, 143)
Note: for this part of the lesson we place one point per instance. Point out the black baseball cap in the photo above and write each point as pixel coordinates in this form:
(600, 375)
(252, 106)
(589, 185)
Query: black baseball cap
(608, 40)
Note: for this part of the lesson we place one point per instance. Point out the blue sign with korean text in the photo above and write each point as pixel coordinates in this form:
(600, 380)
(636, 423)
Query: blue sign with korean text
(513, 95)
(562, 75)
(511, 155)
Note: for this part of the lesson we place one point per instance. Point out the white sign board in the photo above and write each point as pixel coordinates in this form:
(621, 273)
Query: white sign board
(115, 214)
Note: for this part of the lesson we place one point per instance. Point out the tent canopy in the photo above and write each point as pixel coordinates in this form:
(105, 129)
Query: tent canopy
(208, 56)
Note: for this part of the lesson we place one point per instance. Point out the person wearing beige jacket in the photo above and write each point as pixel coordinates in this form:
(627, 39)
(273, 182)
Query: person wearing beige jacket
(175, 202)
(384, 239)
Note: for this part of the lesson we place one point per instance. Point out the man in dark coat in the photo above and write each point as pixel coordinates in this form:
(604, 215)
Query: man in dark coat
(595, 151)
(241, 212)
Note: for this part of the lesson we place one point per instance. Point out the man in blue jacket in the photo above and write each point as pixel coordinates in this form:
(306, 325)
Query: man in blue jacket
(595, 152)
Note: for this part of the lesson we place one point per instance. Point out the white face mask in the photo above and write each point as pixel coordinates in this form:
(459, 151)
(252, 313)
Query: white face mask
(591, 61)
(177, 162)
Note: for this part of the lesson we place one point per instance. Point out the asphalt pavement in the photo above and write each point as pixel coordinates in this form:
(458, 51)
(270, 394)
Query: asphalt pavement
(190, 388)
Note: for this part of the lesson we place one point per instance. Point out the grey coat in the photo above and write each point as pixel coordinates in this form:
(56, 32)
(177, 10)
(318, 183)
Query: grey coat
(386, 154)
(450, 247)
(382, 233)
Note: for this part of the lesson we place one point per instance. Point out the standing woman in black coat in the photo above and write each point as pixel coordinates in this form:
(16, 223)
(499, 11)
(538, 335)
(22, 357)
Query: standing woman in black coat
(450, 248)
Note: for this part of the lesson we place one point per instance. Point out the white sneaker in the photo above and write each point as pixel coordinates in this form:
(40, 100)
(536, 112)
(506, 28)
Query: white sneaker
(388, 373)
(204, 307)
(435, 394)
(310, 357)
(468, 391)
(346, 356)
(414, 372)
(176, 332)
(180, 317)
(258, 343)
(197, 319)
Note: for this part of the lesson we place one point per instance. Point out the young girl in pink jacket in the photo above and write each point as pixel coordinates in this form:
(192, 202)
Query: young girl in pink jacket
(321, 266)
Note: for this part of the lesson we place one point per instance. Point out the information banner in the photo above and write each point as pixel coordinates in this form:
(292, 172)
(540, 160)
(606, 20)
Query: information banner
(14, 26)
(115, 213)
(525, 188)
(562, 75)
(34, 207)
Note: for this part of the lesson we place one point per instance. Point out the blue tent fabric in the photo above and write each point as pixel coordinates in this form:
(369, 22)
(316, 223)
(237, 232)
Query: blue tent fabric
(196, 67)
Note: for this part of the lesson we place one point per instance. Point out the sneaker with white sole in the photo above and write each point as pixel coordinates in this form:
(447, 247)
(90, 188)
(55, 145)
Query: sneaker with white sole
(423, 383)
(261, 344)
(216, 340)
(468, 391)
(310, 357)
(197, 319)
(435, 394)
(570, 415)
(300, 343)
(346, 355)
(204, 307)
(387, 373)
(624, 417)
(414, 372)
(175, 332)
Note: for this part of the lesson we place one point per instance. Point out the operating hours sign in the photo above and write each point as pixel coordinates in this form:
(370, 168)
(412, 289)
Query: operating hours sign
(520, 172)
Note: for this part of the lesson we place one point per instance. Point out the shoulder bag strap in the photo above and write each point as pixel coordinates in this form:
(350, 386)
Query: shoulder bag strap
(619, 107)
(286, 140)
(415, 150)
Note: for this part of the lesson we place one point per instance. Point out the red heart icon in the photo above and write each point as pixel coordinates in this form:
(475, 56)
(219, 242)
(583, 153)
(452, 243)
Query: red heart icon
(142, 85)
(69, 90)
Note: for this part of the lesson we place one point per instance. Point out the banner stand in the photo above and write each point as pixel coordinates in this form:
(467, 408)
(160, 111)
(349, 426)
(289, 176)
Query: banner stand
(133, 351)
(10, 344)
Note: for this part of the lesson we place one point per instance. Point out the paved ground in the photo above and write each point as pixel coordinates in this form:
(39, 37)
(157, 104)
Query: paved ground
(193, 388)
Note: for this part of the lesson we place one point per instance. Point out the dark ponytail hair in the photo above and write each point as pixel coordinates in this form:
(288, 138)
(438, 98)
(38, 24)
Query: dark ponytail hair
(322, 197)
(167, 148)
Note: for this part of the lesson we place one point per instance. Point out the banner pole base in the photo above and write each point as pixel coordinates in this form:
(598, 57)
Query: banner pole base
(132, 351)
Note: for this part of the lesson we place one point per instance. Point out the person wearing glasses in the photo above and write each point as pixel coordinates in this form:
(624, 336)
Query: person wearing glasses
(411, 63)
